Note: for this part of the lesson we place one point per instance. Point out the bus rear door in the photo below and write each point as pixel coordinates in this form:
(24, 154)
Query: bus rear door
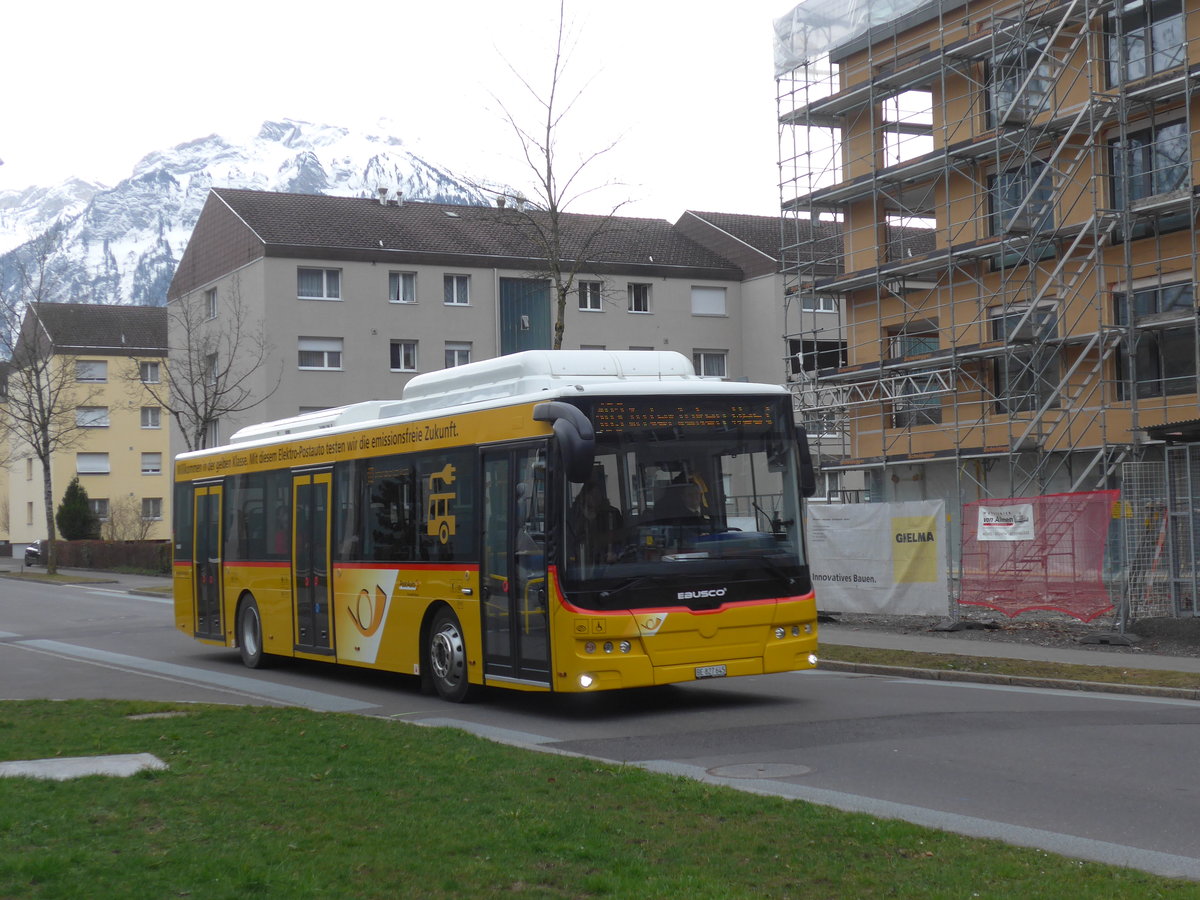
(206, 553)
(513, 571)
(310, 571)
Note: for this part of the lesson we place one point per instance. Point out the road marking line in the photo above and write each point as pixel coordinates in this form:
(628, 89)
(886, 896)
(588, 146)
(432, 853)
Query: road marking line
(240, 684)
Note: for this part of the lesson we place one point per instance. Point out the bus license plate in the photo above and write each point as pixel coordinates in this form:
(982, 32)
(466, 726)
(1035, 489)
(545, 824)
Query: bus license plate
(710, 671)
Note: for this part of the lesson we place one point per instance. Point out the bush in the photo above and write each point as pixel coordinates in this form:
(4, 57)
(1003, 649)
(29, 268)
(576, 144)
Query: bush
(75, 518)
(143, 556)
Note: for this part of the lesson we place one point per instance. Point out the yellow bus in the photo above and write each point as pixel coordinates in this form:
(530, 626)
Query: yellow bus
(547, 521)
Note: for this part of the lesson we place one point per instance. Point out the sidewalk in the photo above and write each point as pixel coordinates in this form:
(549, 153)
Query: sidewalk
(1091, 655)
(119, 580)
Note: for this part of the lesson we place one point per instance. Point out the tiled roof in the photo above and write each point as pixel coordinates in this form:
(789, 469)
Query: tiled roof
(292, 222)
(104, 329)
(760, 232)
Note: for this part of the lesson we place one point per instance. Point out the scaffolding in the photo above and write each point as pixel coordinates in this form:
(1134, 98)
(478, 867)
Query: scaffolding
(989, 209)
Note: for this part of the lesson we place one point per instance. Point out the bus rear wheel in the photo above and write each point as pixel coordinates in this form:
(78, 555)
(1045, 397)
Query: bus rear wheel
(447, 655)
(249, 635)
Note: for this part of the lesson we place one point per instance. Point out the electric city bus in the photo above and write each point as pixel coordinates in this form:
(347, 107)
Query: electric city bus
(547, 521)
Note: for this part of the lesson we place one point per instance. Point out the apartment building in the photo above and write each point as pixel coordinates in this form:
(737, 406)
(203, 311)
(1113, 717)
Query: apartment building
(1041, 333)
(360, 294)
(100, 358)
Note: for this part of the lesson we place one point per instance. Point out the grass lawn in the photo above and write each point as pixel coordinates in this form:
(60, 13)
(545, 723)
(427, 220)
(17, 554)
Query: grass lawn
(265, 802)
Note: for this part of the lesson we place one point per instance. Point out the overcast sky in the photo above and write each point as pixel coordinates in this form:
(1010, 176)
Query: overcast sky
(685, 87)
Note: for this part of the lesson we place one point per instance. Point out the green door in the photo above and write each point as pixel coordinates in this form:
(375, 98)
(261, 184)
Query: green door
(524, 315)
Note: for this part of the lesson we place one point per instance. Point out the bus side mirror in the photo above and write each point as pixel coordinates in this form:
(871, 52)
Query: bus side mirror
(575, 435)
(808, 478)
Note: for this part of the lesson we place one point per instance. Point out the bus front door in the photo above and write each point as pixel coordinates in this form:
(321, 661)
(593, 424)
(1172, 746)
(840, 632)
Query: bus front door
(310, 569)
(206, 553)
(513, 571)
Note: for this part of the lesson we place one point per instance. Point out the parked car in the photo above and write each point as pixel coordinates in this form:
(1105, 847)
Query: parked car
(33, 554)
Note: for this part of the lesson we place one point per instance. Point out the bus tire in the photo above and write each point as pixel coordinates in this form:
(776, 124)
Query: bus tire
(446, 652)
(250, 635)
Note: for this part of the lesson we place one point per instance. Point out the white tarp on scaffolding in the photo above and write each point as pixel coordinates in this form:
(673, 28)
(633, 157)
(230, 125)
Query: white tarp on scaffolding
(815, 27)
(879, 557)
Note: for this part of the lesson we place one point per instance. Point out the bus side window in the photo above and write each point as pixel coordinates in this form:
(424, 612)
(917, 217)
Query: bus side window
(277, 504)
(183, 522)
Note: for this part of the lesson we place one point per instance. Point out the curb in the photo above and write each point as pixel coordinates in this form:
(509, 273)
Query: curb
(1060, 684)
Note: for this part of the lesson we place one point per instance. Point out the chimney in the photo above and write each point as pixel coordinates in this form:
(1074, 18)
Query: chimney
(399, 201)
(500, 201)
(383, 192)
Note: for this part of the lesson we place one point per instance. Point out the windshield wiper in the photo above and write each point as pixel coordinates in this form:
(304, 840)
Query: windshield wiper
(767, 563)
(629, 584)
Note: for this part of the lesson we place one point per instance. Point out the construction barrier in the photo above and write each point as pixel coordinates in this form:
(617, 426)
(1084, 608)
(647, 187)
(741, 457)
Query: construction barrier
(1030, 553)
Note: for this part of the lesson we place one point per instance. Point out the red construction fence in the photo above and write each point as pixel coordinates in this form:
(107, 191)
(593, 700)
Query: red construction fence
(1046, 552)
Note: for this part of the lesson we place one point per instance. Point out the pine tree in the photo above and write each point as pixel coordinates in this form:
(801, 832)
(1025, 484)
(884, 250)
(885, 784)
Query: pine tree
(76, 521)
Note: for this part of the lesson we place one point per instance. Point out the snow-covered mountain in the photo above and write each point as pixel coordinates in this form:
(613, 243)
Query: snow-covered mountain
(121, 244)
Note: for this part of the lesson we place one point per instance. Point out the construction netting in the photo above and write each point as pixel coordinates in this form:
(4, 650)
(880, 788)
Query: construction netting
(1031, 553)
(815, 27)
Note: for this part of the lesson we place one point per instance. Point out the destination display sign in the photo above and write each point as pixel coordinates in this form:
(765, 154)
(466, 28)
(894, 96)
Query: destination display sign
(688, 414)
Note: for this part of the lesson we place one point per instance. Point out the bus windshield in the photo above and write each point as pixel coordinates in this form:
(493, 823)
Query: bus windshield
(691, 501)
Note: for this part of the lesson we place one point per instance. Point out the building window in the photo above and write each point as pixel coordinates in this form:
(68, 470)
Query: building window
(809, 356)
(1019, 83)
(29, 468)
(1148, 163)
(1026, 378)
(320, 353)
(1160, 358)
(1023, 199)
(639, 297)
(404, 356)
(457, 354)
(210, 302)
(151, 417)
(210, 368)
(641, 348)
(457, 289)
(149, 372)
(29, 512)
(151, 463)
(91, 370)
(818, 303)
(918, 400)
(91, 416)
(91, 464)
(212, 433)
(592, 347)
(590, 299)
(319, 284)
(709, 363)
(152, 507)
(708, 301)
(402, 287)
(1147, 37)
(99, 507)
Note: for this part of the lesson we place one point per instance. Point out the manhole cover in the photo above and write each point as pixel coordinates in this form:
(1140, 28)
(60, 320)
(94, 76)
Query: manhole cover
(759, 770)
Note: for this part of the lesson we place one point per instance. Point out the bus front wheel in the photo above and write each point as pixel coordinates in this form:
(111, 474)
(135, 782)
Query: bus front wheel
(250, 635)
(447, 651)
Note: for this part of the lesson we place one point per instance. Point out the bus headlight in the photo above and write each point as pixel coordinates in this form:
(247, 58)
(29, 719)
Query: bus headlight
(780, 632)
(812, 659)
(589, 647)
(625, 646)
(585, 681)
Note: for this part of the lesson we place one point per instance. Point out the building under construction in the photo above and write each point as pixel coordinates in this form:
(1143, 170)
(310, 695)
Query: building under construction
(1013, 188)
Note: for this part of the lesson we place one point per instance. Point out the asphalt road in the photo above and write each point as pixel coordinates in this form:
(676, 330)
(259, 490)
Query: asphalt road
(1094, 776)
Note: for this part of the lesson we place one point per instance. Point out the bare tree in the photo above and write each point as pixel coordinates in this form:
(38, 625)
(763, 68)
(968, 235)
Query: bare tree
(125, 521)
(44, 391)
(215, 348)
(566, 252)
